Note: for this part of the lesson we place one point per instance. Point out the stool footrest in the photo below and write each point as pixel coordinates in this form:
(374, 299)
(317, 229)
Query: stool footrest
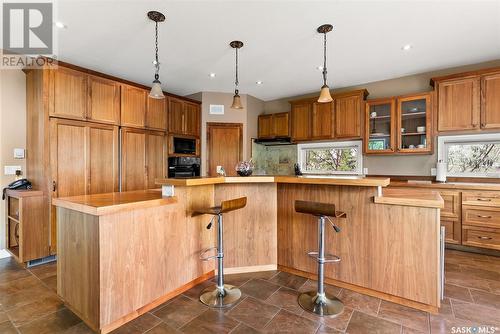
(328, 257)
(206, 250)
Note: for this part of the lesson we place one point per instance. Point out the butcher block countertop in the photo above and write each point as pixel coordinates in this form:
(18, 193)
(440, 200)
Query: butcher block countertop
(411, 197)
(305, 179)
(448, 185)
(104, 204)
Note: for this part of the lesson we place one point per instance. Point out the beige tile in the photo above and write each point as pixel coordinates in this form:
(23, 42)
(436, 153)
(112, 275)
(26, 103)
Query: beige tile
(7, 328)
(52, 323)
(406, 316)
(3, 317)
(358, 301)
(362, 323)
(286, 322)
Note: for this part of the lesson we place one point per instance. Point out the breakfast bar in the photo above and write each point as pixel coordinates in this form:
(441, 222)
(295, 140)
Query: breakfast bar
(140, 249)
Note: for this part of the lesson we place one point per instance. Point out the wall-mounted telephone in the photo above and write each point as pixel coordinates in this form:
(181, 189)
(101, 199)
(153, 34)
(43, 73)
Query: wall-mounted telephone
(18, 184)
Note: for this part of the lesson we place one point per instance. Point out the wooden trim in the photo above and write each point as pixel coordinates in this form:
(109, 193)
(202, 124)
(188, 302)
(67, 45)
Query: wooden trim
(474, 73)
(146, 308)
(117, 79)
(366, 291)
(227, 125)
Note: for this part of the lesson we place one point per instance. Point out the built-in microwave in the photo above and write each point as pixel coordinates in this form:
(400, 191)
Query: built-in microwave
(182, 145)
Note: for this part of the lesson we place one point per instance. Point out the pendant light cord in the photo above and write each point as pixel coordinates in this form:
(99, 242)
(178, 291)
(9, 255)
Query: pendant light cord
(236, 81)
(157, 63)
(324, 59)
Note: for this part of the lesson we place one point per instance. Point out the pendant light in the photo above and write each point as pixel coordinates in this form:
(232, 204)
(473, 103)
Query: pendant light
(236, 98)
(156, 91)
(324, 95)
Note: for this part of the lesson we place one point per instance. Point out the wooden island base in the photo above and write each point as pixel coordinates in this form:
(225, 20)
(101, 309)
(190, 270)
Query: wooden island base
(122, 254)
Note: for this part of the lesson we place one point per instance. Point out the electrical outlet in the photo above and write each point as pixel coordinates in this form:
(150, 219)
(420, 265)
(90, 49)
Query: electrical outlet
(365, 171)
(433, 171)
(10, 170)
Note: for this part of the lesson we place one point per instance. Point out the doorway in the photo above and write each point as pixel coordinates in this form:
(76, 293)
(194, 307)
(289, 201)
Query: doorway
(224, 147)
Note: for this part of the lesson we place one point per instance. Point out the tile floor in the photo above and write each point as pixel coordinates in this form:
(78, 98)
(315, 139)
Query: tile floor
(29, 304)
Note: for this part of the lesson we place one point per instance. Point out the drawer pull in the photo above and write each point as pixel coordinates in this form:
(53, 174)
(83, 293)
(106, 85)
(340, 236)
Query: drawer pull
(481, 216)
(484, 238)
(484, 199)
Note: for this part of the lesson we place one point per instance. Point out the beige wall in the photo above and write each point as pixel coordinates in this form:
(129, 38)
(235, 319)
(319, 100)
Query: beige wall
(392, 165)
(247, 117)
(12, 129)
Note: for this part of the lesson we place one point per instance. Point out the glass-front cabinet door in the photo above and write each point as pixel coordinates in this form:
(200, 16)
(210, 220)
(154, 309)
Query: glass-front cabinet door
(379, 126)
(414, 124)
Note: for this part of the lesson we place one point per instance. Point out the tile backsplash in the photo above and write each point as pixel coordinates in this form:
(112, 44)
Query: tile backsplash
(274, 160)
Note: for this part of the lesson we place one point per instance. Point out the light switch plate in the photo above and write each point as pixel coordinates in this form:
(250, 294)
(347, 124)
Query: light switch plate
(433, 171)
(19, 153)
(10, 170)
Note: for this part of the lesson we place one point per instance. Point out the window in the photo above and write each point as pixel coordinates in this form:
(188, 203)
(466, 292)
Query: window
(331, 158)
(471, 155)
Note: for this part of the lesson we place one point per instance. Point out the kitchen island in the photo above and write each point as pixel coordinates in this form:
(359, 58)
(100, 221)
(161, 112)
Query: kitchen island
(123, 254)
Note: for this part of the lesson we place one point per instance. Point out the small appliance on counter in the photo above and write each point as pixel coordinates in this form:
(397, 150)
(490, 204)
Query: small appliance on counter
(183, 167)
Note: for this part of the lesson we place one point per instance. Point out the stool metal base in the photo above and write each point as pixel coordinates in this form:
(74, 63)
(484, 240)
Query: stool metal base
(213, 297)
(327, 305)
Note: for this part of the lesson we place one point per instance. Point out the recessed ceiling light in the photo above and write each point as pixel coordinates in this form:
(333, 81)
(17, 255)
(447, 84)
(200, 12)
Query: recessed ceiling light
(60, 25)
(212, 75)
(406, 47)
(259, 82)
(319, 68)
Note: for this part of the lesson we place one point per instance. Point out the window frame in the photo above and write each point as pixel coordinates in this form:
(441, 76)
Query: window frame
(358, 144)
(484, 138)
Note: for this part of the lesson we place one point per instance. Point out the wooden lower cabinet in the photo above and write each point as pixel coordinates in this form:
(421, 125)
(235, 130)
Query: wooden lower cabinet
(484, 237)
(452, 230)
(142, 158)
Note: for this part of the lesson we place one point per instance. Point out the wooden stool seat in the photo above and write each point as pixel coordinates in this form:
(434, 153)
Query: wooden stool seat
(226, 206)
(318, 209)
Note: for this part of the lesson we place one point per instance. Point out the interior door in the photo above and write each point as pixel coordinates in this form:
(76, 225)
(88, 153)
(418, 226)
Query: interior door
(133, 159)
(155, 156)
(102, 145)
(225, 147)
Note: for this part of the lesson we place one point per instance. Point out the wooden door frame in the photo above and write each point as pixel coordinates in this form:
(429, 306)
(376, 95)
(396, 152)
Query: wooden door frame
(223, 125)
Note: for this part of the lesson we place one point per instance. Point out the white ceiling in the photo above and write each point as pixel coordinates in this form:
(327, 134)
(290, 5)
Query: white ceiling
(282, 47)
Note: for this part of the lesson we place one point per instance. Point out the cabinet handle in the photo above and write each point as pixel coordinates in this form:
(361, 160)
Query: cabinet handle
(484, 238)
(481, 216)
(484, 199)
(54, 185)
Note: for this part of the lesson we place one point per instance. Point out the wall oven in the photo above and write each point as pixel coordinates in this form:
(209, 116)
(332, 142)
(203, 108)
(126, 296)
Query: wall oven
(183, 167)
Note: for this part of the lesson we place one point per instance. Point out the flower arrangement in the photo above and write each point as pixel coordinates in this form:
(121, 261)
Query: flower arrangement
(245, 168)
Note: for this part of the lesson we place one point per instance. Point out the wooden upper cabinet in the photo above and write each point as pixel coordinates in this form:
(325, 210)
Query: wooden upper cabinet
(68, 94)
(175, 116)
(265, 126)
(414, 123)
(322, 120)
(348, 115)
(133, 147)
(103, 158)
(380, 125)
(281, 124)
(192, 119)
(490, 101)
(156, 114)
(155, 158)
(133, 106)
(458, 104)
(301, 121)
(104, 100)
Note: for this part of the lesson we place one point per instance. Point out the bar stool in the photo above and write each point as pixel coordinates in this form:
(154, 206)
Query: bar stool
(221, 295)
(320, 302)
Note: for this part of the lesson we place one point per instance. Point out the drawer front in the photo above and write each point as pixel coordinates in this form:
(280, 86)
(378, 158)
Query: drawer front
(481, 198)
(481, 237)
(451, 204)
(452, 231)
(481, 217)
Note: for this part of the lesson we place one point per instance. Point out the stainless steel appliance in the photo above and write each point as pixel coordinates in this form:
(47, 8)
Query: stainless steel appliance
(183, 167)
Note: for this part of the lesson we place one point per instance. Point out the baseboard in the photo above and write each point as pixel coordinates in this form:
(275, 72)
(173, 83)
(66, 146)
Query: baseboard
(470, 249)
(366, 291)
(250, 269)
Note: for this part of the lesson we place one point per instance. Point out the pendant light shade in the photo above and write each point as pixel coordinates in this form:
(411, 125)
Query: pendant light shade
(156, 90)
(325, 96)
(236, 98)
